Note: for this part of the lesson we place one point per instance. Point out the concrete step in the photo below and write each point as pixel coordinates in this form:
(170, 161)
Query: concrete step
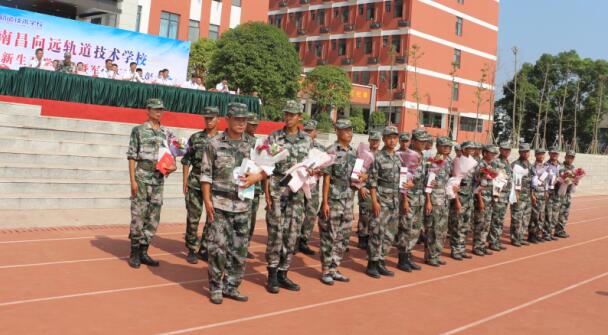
(75, 201)
(10, 108)
(15, 171)
(49, 133)
(62, 147)
(80, 160)
(80, 186)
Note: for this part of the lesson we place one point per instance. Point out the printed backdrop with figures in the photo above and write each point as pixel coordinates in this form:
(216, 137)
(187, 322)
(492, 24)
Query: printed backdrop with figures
(22, 32)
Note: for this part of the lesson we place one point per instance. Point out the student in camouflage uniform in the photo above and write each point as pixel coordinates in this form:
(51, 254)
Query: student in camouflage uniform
(252, 126)
(411, 228)
(146, 182)
(566, 199)
(457, 150)
(336, 220)
(553, 202)
(462, 209)
(228, 216)
(285, 209)
(312, 204)
(484, 200)
(437, 205)
(384, 192)
(365, 200)
(404, 141)
(192, 185)
(537, 220)
(521, 211)
(502, 202)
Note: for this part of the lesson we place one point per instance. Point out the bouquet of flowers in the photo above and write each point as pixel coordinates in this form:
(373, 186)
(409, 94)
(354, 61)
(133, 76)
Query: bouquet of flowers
(364, 161)
(570, 178)
(246, 166)
(435, 164)
(540, 176)
(165, 161)
(299, 176)
(461, 167)
(266, 155)
(410, 160)
(177, 146)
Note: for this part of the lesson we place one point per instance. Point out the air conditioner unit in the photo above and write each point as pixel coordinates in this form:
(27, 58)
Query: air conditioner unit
(400, 59)
(372, 60)
(304, 2)
(321, 62)
(283, 3)
(375, 25)
(349, 27)
(398, 96)
(347, 61)
(404, 23)
(301, 32)
(324, 30)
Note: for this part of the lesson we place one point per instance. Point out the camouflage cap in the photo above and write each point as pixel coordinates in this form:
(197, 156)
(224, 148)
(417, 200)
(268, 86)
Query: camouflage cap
(343, 124)
(505, 145)
(457, 146)
(444, 140)
(490, 148)
(421, 135)
(253, 119)
(155, 104)
(524, 147)
(390, 130)
(571, 153)
(237, 109)
(211, 111)
(404, 136)
(553, 149)
(477, 145)
(467, 144)
(540, 151)
(310, 125)
(294, 107)
(375, 135)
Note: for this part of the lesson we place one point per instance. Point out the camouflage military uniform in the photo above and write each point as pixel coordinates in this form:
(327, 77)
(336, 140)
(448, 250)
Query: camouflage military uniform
(553, 204)
(228, 234)
(365, 206)
(565, 202)
(311, 206)
(335, 230)
(501, 203)
(462, 224)
(146, 204)
(255, 203)
(483, 219)
(537, 220)
(521, 211)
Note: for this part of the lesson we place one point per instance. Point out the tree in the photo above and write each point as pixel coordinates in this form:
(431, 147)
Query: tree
(414, 54)
(378, 119)
(357, 120)
(257, 57)
(201, 53)
(329, 86)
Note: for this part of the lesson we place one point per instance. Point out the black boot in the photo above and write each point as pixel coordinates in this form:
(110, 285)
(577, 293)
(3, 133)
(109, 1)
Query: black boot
(402, 264)
(203, 255)
(273, 283)
(134, 261)
(191, 258)
(383, 270)
(285, 282)
(304, 248)
(411, 263)
(145, 258)
(363, 242)
(372, 269)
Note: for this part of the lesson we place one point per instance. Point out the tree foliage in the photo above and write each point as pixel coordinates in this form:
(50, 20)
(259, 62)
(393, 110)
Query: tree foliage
(328, 85)
(357, 119)
(201, 53)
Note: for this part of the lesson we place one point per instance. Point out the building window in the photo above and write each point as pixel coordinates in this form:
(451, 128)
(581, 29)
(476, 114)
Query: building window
(336, 12)
(396, 43)
(319, 49)
(296, 45)
(358, 42)
(321, 16)
(310, 46)
(214, 31)
(382, 76)
(345, 15)
(278, 20)
(395, 79)
(392, 114)
(456, 60)
(398, 8)
(468, 124)
(371, 11)
(138, 19)
(364, 78)
(458, 26)
(194, 31)
(342, 47)
(455, 91)
(385, 41)
(368, 45)
(299, 20)
(387, 6)
(361, 8)
(334, 44)
(236, 3)
(313, 15)
(432, 120)
(168, 24)
(355, 77)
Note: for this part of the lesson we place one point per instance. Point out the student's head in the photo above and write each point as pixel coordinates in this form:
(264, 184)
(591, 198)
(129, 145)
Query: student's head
(390, 137)
(155, 109)
(292, 113)
(539, 155)
(237, 117)
(310, 127)
(374, 140)
(344, 130)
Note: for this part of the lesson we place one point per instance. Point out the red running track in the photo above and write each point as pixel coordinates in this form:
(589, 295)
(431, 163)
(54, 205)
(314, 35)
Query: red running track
(75, 281)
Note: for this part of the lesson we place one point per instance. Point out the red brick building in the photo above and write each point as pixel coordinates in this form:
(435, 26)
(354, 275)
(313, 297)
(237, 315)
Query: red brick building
(401, 45)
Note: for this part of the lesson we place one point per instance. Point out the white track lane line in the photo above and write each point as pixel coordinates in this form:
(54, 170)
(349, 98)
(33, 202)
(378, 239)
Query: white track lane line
(524, 305)
(373, 293)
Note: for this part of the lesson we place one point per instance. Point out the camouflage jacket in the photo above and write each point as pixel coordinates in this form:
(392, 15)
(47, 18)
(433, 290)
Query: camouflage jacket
(480, 180)
(503, 164)
(555, 168)
(220, 158)
(196, 146)
(144, 144)
(416, 195)
(340, 171)
(298, 146)
(442, 174)
(563, 168)
(384, 177)
(526, 181)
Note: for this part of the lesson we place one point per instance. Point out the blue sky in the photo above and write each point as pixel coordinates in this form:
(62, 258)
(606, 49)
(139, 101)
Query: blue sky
(549, 26)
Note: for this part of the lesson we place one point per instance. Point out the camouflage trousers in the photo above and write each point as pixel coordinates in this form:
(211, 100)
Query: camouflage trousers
(228, 236)
(462, 223)
(537, 219)
(521, 211)
(383, 230)
(436, 230)
(283, 221)
(410, 227)
(194, 208)
(145, 213)
(481, 222)
(552, 214)
(499, 212)
(311, 214)
(564, 212)
(365, 217)
(335, 233)
(255, 204)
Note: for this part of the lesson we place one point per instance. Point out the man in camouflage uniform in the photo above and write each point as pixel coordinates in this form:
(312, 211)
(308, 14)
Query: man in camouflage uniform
(338, 201)
(521, 211)
(457, 150)
(477, 151)
(192, 184)
(502, 202)
(285, 209)
(365, 200)
(252, 126)
(146, 182)
(311, 205)
(484, 200)
(411, 228)
(553, 201)
(539, 188)
(404, 141)
(566, 199)
(228, 215)
(384, 192)
(462, 209)
(437, 205)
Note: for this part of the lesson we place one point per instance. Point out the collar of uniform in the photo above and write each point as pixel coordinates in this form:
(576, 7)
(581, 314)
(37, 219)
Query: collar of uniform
(224, 136)
(340, 148)
(299, 135)
(149, 125)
